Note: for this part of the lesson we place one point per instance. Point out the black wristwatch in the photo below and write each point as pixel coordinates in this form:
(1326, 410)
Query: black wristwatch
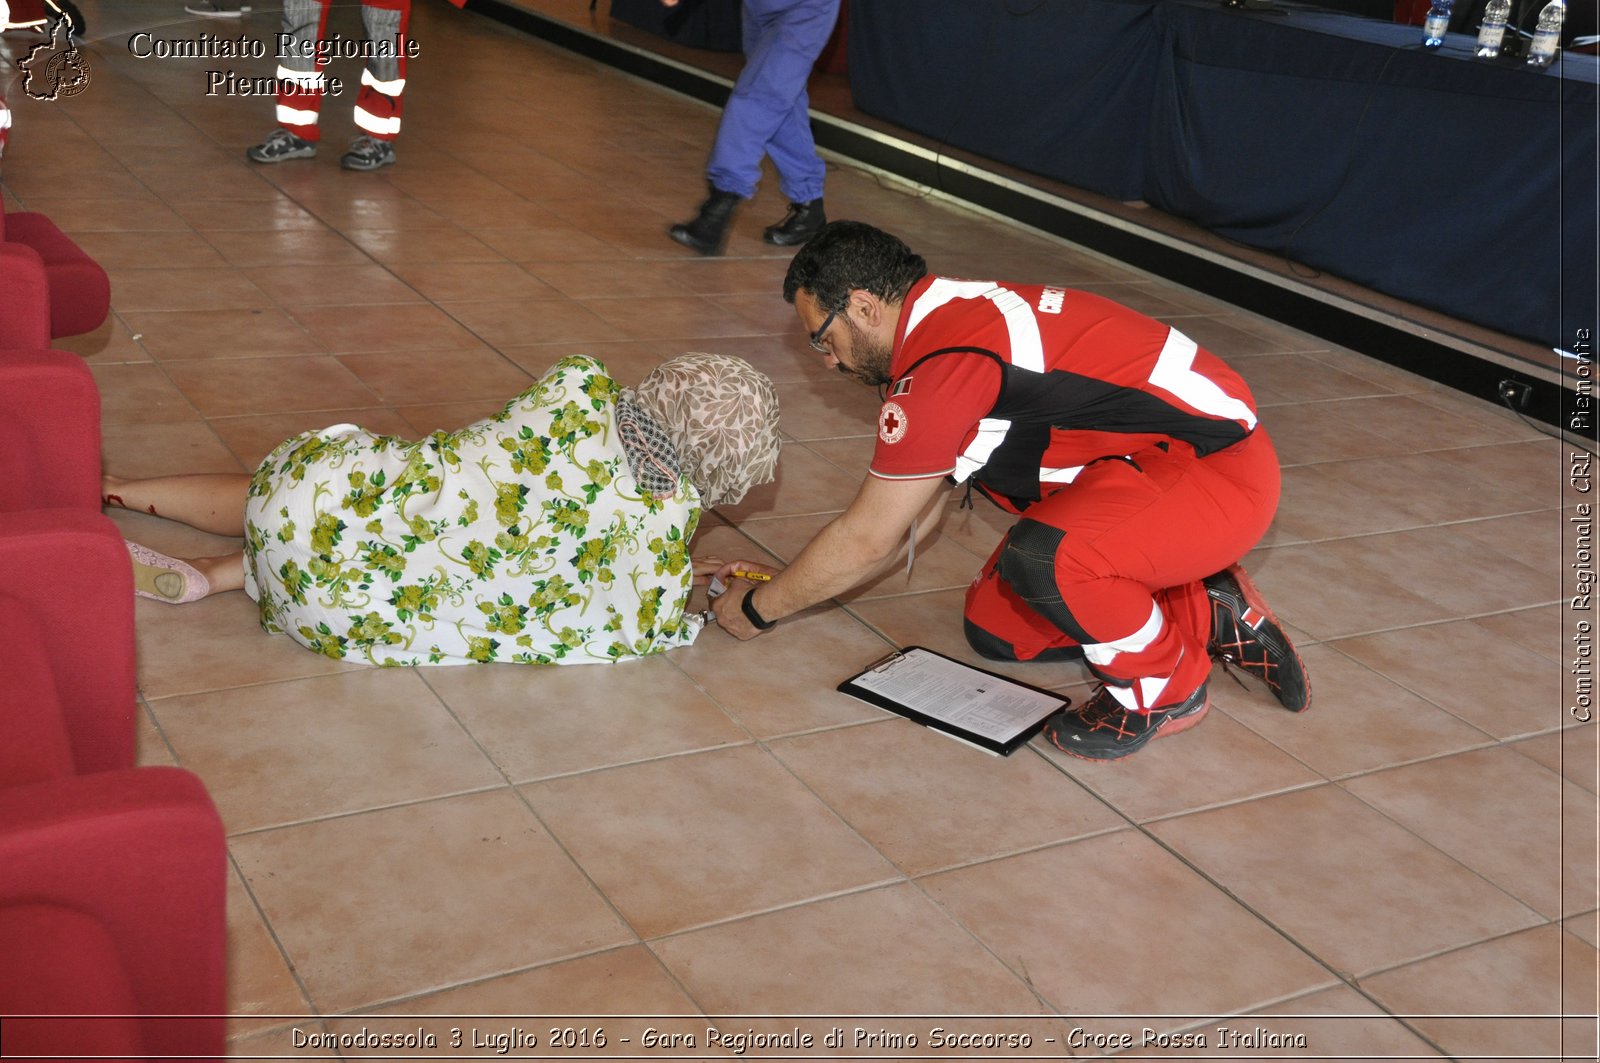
(748, 606)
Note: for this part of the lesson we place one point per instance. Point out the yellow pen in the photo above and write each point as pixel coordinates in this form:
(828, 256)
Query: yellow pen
(754, 577)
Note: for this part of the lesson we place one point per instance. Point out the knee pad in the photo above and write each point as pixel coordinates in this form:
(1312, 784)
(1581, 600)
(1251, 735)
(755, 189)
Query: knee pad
(987, 645)
(1028, 564)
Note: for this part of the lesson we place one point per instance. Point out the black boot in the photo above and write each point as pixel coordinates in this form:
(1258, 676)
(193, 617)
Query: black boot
(708, 230)
(797, 226)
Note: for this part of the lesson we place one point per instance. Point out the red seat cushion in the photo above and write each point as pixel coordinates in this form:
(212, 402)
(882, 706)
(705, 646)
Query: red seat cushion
(63, 962)
(80, 291)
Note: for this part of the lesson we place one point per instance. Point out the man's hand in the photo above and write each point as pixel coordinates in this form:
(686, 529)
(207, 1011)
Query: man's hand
(728, 607)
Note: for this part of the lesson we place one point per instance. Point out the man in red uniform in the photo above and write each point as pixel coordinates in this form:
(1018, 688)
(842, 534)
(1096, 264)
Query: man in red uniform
(1132, 458)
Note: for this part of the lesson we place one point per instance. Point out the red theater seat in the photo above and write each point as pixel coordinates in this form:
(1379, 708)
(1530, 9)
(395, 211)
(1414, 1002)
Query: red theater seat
(78, 289)
(49, 432)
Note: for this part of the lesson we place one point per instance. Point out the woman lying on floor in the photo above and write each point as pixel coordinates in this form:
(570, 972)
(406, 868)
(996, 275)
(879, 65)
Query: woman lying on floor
(555, 531)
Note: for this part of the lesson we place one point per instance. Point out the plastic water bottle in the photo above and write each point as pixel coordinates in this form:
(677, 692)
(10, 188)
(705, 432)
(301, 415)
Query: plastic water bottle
(1547, 34)
(1438, 21)
(1493, 29)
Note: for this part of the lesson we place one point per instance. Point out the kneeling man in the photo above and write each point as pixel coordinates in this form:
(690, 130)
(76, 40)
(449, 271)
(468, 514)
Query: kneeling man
(1132, 458)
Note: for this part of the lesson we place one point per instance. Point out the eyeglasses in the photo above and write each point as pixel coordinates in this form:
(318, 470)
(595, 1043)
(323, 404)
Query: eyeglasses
(816, 337)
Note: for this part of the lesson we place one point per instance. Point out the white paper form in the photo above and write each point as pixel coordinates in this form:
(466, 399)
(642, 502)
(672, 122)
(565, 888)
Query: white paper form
(965, 698)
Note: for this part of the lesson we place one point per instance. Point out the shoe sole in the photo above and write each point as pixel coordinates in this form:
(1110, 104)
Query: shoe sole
(1166, 729)
(1254, 600)
(287, 157)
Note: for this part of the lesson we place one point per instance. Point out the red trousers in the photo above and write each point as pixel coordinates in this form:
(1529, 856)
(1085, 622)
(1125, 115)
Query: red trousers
(377, 110)
(1111, 564)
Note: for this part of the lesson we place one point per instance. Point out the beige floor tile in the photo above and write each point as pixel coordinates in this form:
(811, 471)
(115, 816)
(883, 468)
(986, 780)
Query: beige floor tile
(1540, 629)
(396, 247)
(805, 484)
(628, 361)
(546, 243)
(1500, 814)
(354, 285)
(1499, 688)
(447, 281)
(509, 323)
(656, 838)
(139, 393)
(1531, 538)
(1307, 432)
(222, 288)
(246, 386)
(1315, 505)
(1336, 1023)
(783, 665)
(1585, 926)
(112, 342)
(1574, 752)
(854, 455)
(683, 317)
(539, 722)
(410, 900)
(209, 215)
(1301, 379)
(1044, 914)
(1430, 562)
(107, 215)
(150, 748)
(320, 247)
(1329, 595)
(393, 327)
(1218, 762)
(214, 644)
(308, 1039)
(1358, 720)
(180, 335)
(250, 747)
(413, 378)
(611, 995)
(940, 563)
(139, 450)
(824, 409)
(447, 416)
(253, 438)
(260, 984)
(1428, 488)
(721, 276)
(807, 961)
(934, 620)
(928, 803)
(784, 358)
(1536, 468)
(1343, 880)
(599, 280)
(1500, 998)
(147, 250)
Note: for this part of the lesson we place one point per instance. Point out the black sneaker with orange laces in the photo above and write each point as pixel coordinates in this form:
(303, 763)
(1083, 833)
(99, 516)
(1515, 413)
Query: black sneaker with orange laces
(1246, 635)
(1103, 730)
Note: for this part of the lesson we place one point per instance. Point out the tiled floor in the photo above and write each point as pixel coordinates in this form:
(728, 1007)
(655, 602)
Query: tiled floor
(716, 832)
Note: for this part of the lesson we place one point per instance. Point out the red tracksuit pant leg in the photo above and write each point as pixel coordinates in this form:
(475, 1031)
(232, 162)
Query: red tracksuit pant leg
(303, 77)
(1112, 563)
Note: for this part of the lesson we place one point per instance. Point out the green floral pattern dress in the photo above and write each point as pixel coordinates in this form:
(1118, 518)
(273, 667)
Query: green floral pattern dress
(520, 538)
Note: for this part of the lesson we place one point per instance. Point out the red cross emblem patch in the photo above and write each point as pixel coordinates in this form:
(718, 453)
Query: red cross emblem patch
(891, 423)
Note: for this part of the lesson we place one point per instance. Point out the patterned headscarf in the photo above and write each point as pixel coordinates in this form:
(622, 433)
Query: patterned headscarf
(721, 414)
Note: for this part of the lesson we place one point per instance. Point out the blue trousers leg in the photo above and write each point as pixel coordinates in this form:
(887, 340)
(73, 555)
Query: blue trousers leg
(766, 114)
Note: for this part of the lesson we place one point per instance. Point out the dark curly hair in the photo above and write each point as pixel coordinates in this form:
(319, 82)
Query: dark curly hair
(846, 255)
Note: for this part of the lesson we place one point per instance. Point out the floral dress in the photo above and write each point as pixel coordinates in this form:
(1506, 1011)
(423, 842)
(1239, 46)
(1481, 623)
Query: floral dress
(523, 538)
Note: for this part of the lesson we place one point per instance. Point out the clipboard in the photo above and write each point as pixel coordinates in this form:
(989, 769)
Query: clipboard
(980, 708)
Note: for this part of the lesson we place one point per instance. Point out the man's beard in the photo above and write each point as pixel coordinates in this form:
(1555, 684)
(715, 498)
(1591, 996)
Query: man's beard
(874, 359)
